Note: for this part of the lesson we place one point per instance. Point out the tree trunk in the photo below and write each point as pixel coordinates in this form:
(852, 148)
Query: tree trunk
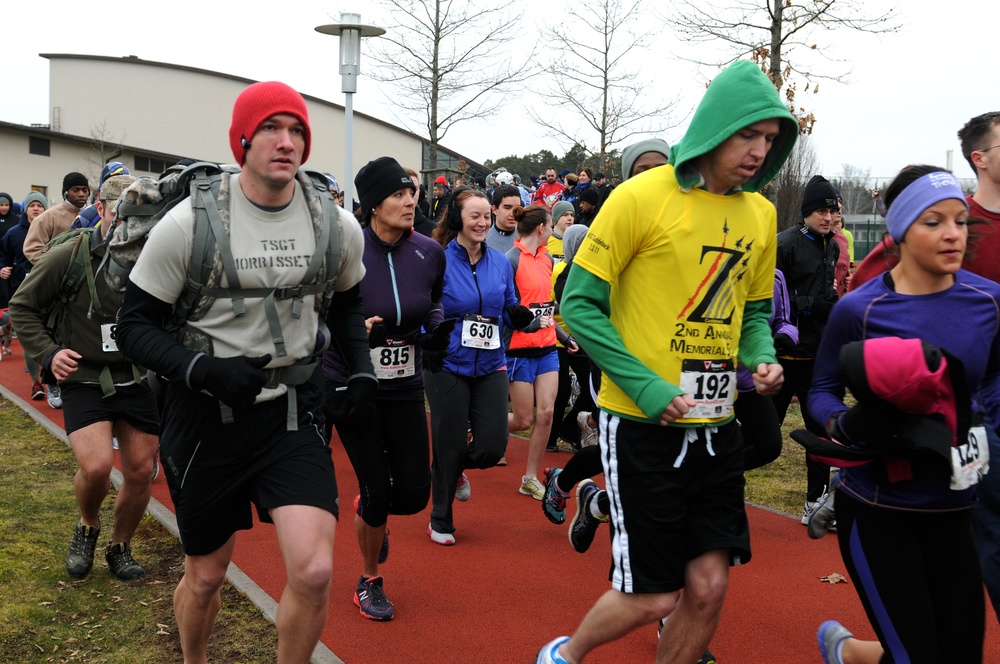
(775, 61)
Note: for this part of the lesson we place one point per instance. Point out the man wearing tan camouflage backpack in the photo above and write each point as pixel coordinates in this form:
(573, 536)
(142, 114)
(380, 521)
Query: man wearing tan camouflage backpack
(73, 340)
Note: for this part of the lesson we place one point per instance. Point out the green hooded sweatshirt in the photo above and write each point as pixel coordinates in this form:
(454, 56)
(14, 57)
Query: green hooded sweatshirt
(738, 97)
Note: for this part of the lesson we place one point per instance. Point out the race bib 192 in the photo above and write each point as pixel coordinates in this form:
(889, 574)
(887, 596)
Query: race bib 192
(712, 385)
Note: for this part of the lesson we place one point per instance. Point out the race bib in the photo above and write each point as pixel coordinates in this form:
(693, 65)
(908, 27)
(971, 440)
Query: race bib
(393, 361)
(542, 308)
(712, 385)
(970, 461)
(480, 332)
(108, 344)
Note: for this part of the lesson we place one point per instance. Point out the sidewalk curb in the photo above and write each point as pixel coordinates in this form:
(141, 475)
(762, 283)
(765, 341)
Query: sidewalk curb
(239, 580)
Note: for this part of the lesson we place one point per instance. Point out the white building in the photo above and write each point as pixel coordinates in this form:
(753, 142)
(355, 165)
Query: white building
(157, 113)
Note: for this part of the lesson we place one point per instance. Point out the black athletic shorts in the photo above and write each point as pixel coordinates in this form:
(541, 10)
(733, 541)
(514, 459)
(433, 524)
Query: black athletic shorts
(85, 403)
(215, 470)
(671, 500)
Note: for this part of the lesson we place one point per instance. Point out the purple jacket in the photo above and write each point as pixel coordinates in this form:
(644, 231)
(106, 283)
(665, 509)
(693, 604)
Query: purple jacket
(403, 284)
(784, 332)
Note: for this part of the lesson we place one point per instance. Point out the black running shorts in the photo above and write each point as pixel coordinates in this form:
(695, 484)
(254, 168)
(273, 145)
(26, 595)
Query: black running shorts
(215, 470)
(85, 404)
(663, 516)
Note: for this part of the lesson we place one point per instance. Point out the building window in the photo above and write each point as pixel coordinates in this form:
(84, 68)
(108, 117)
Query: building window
(149, 164)
(39, 146)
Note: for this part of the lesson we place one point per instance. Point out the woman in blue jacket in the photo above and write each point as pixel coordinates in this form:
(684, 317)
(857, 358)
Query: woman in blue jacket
(467, 387)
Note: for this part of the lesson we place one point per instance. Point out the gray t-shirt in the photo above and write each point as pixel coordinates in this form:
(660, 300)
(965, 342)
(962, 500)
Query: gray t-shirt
(271, 249)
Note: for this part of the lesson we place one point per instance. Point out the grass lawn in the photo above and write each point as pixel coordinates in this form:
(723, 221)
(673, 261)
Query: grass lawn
(45, 616)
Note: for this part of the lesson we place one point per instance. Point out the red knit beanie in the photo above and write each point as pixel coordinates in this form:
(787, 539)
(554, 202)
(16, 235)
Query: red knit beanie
(256, 104)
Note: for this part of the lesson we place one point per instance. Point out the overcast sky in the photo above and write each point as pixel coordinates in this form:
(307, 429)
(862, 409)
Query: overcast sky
(906, 96)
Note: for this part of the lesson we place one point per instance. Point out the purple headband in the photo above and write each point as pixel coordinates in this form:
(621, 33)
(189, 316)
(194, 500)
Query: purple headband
(917, 197)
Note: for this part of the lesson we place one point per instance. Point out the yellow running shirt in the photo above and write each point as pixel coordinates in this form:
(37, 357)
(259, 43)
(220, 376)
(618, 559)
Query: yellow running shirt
(681, 265)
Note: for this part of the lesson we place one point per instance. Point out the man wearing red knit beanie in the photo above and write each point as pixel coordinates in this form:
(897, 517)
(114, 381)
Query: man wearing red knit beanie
(242, 420)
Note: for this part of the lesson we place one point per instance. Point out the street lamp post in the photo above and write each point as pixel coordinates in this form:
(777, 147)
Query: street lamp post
(350, 30)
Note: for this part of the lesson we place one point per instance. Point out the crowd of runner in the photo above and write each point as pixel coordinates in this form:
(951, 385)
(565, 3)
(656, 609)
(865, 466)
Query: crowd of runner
(524, 306)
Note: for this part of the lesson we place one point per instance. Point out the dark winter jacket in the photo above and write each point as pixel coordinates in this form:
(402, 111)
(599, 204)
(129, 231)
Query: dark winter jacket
(808, 261)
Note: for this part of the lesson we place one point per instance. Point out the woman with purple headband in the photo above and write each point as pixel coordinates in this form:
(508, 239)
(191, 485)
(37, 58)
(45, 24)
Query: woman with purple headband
(905, 518)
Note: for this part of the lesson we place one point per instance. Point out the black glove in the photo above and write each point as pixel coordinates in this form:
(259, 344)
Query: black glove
(438, 338)
(357, 402)
(872, 423)
(235, 381)
(520, 316)
(377, 336)
(783, 342)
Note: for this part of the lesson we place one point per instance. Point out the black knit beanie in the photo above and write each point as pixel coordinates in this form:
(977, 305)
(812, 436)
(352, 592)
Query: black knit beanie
(379, 179)
(74, 179)
(819, 193)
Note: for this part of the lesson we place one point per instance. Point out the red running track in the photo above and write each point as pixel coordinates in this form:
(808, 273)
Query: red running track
(513, 582)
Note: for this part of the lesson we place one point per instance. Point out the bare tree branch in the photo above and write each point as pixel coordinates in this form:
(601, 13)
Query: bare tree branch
(782, 36)
(599, 99)
(447, 62)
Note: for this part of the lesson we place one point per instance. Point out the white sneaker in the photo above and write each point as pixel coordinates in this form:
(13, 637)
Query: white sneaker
(530, 486)
(444, 539)
(588, 436)
(463, 490)
(55, 396)
(549, 654)
(823, 519)
(807, 511)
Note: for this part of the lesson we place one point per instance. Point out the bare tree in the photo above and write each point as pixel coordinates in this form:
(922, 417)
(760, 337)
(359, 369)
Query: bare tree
(779, 35)
(785, 191)
(596, 88)
(103, 147)
(446, 61)
(855, 187)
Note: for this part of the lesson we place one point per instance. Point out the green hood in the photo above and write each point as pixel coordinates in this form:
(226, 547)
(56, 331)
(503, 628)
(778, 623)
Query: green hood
(739, 96)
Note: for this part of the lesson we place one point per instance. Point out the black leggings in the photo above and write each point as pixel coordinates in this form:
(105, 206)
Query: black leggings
(391, 458)
(918, 577)
(458, 402)
(798, 380)
(563, 423)
(759, 428)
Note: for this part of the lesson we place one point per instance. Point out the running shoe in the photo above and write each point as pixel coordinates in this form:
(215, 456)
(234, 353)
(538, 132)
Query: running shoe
(122, 564)
(823, 519)
(584, 525)
(502, 461)
(37, 392)
(463, 490)
(371, 600)
(55, 397)
(383, 551)
(807, 511)
(830, 637)
(588, 435)
(444, 539)
(549, 654)
(80, 558)
(554, 502)
(530, 486)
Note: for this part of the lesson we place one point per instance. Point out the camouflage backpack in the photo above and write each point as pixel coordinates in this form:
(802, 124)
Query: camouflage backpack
(146, 201)
(79, 272)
